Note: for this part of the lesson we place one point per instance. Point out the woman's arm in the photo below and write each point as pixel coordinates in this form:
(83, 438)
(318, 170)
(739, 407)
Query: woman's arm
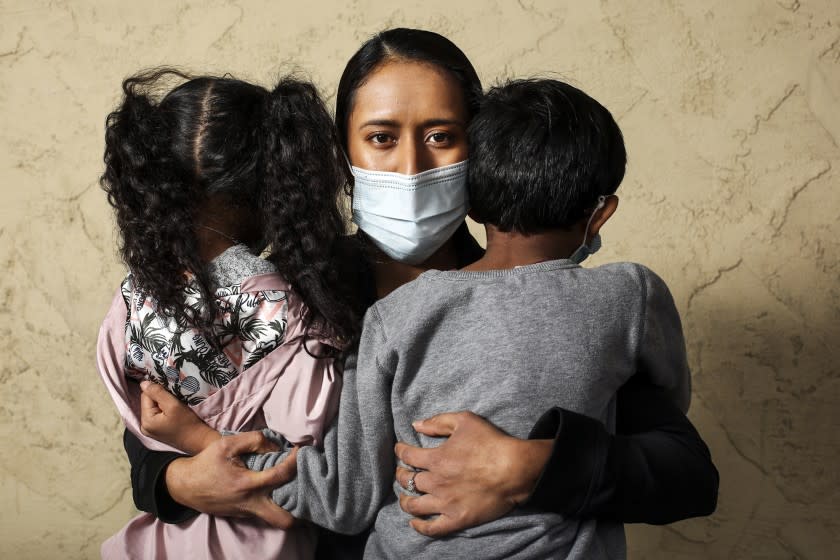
(148, 481)
(214, 481)
(176, 487)
(477, 475)
(198, 480)
(656, 469)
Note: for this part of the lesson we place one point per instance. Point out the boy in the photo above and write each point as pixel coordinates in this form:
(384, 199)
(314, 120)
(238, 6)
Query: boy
(521, 330)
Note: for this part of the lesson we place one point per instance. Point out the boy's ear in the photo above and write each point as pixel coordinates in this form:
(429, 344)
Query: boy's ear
(603, 214)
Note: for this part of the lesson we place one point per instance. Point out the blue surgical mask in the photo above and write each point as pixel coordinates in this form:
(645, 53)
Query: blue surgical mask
(409, 217)
(594, 244)
(582, 252)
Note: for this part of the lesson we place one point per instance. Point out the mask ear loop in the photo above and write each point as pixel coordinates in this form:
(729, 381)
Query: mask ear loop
(347, 159)
(601, 201)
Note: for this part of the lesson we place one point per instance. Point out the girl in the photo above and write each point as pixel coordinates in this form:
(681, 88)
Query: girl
(202, 181)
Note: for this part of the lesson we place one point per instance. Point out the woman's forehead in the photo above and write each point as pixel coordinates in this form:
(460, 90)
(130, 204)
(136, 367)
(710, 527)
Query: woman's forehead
(409, 91)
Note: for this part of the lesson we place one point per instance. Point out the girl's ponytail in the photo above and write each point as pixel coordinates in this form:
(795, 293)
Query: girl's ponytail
(303, 177)
(153, 196)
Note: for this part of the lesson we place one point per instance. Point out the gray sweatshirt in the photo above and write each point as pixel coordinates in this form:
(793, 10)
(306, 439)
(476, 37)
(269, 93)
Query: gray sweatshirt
(507, 345)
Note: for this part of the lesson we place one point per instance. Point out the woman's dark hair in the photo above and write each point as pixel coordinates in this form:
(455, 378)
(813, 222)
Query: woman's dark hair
(541, 153)
(270, 153)
(406, 44)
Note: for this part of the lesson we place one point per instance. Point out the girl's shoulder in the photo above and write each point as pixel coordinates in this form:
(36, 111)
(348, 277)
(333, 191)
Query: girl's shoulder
(239, 275)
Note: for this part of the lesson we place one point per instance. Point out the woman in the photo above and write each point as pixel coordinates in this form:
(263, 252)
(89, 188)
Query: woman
(656, 469)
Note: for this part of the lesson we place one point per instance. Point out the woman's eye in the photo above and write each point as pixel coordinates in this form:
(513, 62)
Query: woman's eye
(439, 137)
(381, 138)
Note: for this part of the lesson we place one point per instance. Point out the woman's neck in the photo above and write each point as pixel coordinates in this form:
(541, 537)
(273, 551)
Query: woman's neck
(391, 274)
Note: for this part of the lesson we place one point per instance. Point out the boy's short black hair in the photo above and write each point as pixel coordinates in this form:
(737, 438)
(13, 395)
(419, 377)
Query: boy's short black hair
(541, 152)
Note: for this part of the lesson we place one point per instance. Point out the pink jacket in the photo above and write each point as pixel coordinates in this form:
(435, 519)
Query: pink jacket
(287, 390)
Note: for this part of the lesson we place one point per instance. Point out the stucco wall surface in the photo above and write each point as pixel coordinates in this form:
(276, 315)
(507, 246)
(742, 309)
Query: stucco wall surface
(731, 113)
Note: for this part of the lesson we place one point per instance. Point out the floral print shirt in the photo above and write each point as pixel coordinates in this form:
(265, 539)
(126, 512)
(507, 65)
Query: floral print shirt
(248, 326)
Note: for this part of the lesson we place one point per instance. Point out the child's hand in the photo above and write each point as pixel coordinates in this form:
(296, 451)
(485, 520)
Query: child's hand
(168, 420)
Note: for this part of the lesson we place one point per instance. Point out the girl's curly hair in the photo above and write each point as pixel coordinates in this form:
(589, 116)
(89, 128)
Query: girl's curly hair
(272, 153)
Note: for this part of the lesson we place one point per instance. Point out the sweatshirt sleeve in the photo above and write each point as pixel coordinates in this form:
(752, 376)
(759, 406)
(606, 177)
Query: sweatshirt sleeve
(661, 351)
(656, 469)
(148, 481)
(343, 486)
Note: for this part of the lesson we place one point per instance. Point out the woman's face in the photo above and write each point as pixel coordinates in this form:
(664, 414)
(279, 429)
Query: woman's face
(408, 117)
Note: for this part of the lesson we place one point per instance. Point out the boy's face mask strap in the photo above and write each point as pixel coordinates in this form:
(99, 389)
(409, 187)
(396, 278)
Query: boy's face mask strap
(582, 252)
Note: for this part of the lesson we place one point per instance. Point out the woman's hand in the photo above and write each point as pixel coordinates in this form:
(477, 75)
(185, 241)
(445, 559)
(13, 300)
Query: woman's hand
(479, 474)
(217, 482)
(168, 420)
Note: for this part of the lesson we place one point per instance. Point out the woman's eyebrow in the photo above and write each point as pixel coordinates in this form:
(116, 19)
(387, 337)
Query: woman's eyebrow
(379, 122)
(427, 123)
(442, 122)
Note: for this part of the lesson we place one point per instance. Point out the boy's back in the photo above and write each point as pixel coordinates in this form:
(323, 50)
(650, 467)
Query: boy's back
(519, 331)
(507, 345)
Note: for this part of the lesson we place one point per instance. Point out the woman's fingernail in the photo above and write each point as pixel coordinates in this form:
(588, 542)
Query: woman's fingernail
(416, 424)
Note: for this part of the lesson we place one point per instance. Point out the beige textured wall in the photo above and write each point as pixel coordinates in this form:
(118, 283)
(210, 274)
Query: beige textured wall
(731, 112)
